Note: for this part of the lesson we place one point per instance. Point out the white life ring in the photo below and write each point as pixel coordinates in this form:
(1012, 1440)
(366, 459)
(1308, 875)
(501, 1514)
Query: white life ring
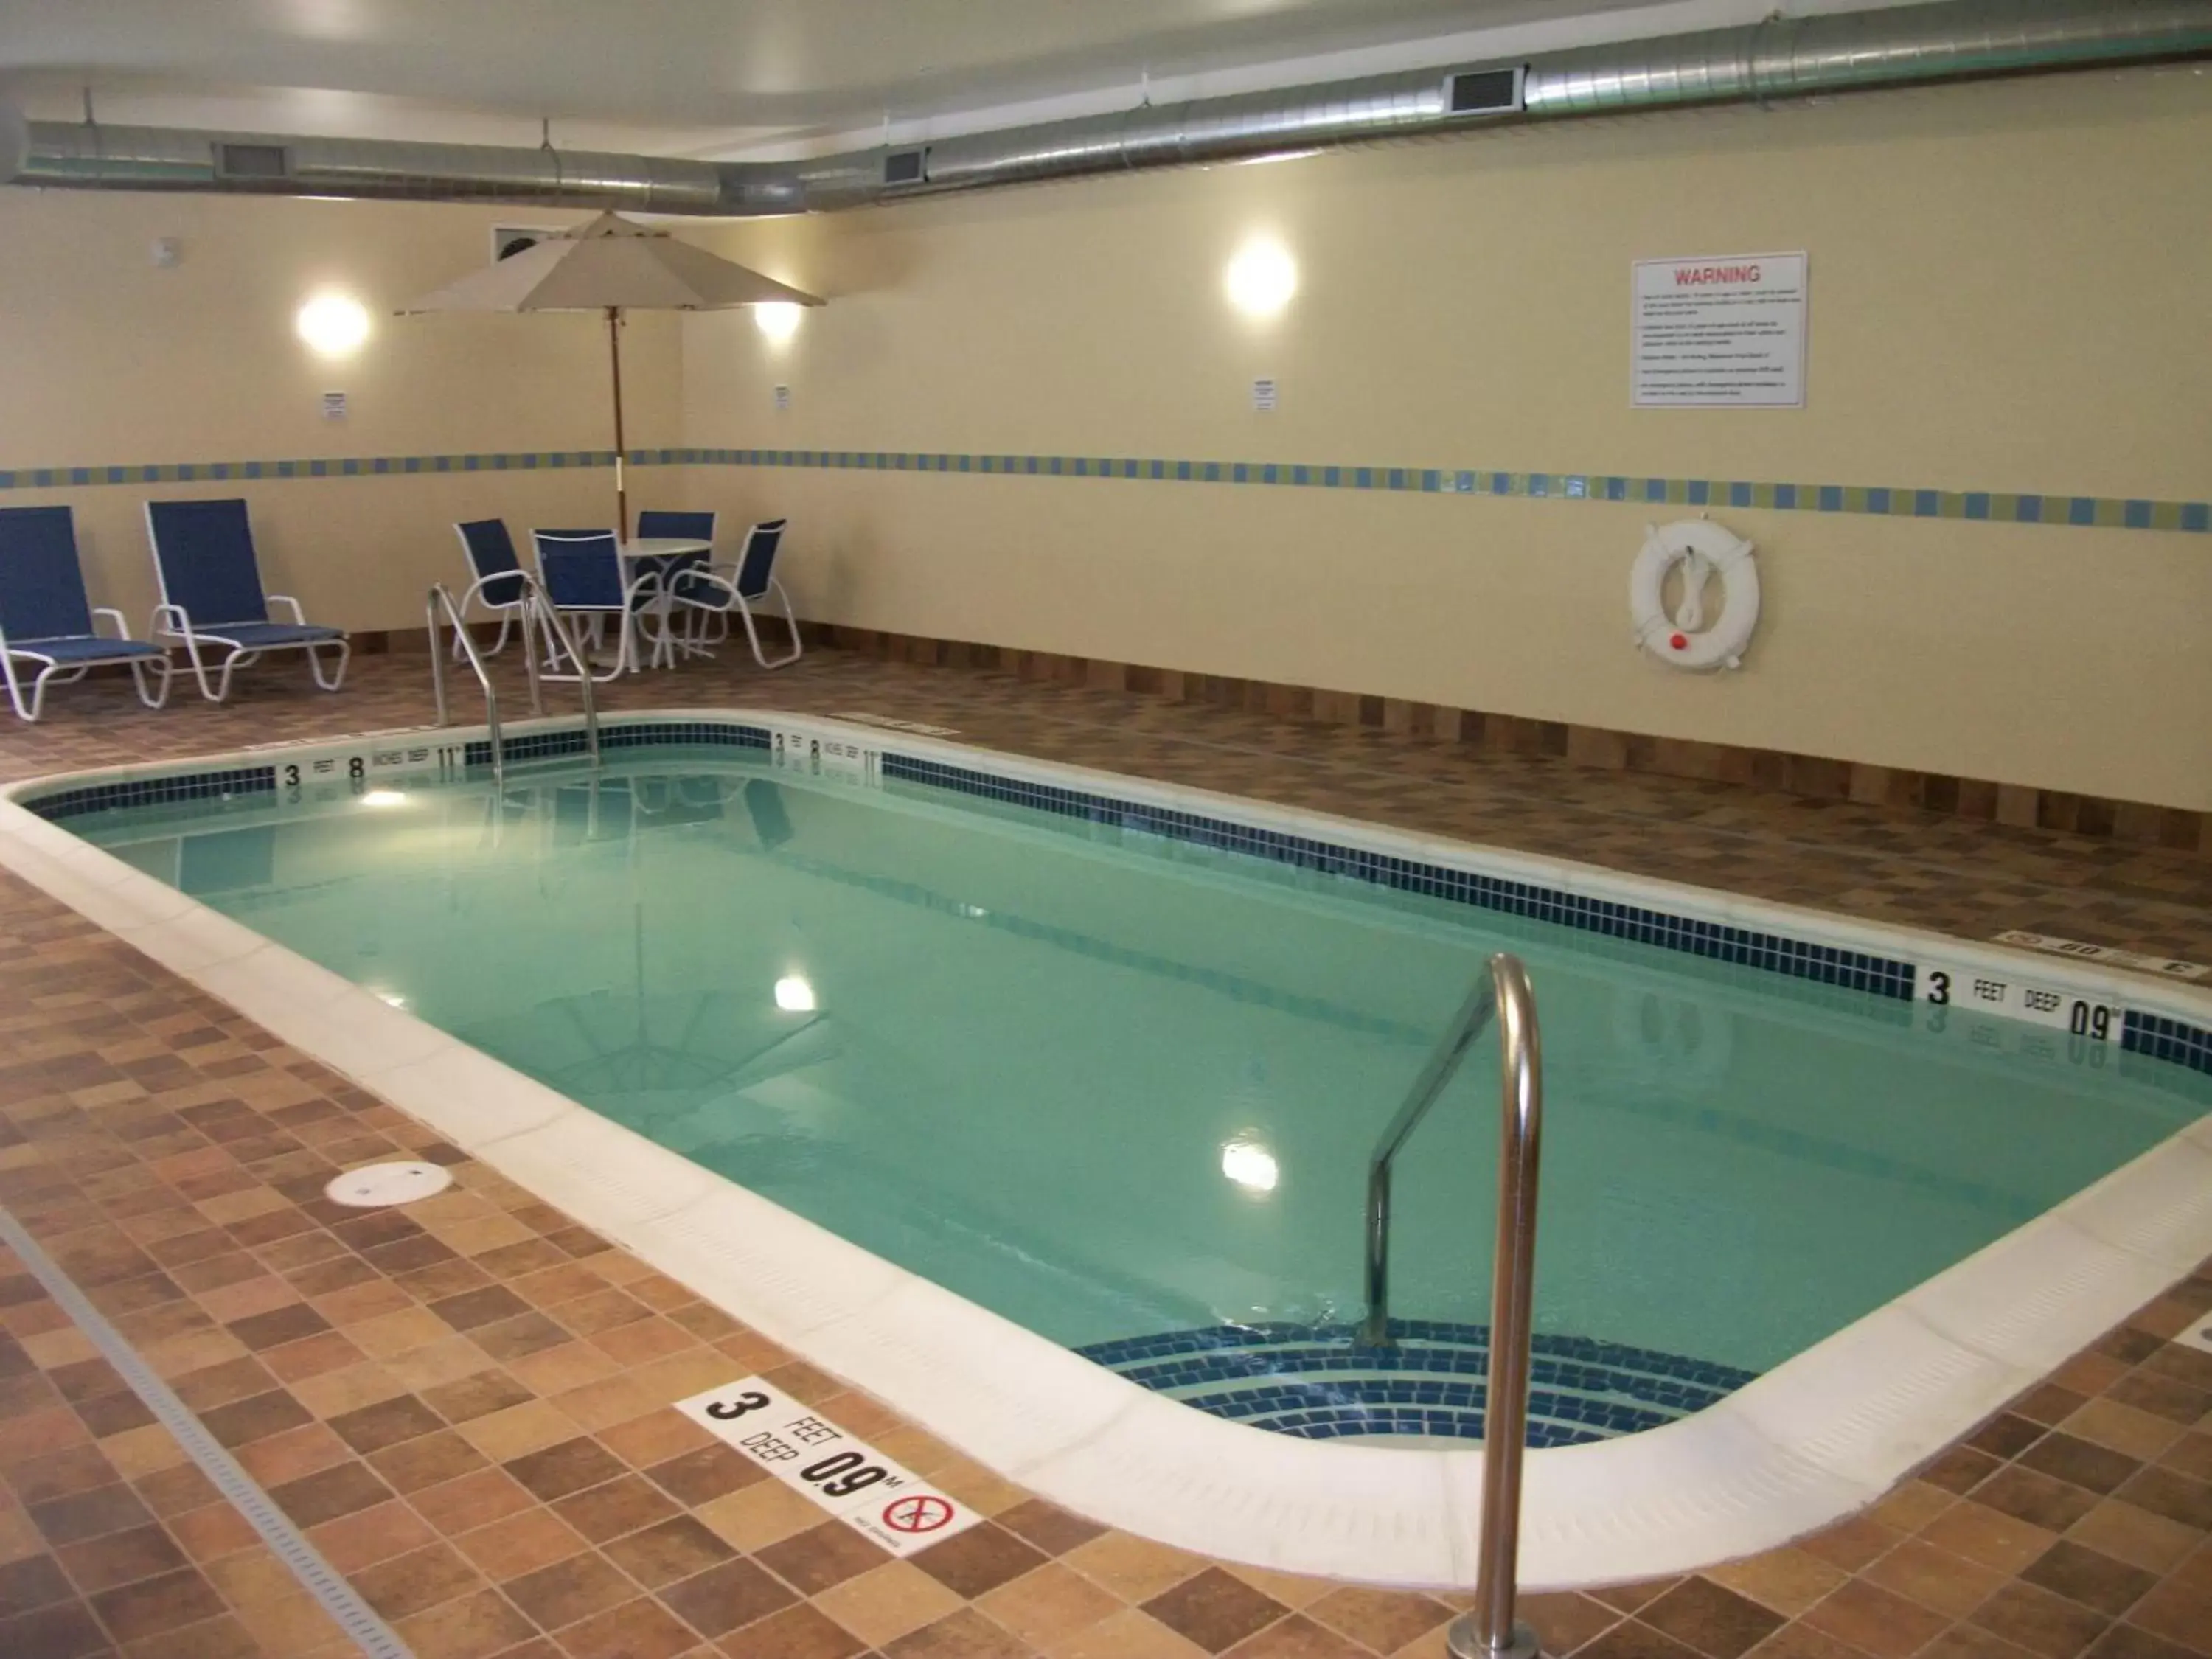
(1701, 547)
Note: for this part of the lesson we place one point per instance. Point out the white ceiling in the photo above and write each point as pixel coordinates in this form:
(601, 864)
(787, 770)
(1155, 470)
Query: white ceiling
(721, 77)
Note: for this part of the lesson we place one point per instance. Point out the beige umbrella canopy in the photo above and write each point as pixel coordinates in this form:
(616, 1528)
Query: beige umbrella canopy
(612, 264)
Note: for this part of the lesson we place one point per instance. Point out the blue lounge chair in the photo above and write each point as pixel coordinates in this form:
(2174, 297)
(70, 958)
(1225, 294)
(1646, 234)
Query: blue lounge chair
(733, 590)
(583, 576)
(45, 621)
(496, 576)
(212, 595)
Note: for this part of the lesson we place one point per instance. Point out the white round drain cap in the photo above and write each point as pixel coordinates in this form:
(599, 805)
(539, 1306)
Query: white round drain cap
(375, 1185)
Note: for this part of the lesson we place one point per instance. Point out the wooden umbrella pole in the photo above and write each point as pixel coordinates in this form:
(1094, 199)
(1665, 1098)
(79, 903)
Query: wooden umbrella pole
(614, 356)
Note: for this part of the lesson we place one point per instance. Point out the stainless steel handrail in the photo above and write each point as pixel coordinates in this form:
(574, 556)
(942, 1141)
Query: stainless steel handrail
(439, 599)
(536, 603)
(1488, 1632)
(536, 612)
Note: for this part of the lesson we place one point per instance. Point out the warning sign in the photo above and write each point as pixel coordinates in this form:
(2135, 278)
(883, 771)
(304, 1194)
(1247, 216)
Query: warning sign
(1724, 332)
(838, 1470)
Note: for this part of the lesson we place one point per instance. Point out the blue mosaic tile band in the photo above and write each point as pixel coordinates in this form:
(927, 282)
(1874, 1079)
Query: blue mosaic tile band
(547, 745)
(1877, 501)
(147, 791)
(2166, 1039)
(1797, 958)
(1316, 1381)
(2088, 512)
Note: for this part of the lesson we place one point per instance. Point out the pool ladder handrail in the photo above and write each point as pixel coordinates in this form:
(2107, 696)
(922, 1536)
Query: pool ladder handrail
(1488, 1632)
(536, 611)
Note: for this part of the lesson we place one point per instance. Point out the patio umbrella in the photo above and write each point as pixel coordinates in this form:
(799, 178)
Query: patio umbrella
(612, 264)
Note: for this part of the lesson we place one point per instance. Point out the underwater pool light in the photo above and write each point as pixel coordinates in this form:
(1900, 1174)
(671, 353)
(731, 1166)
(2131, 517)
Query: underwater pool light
(794, 996)
(1250, 1165)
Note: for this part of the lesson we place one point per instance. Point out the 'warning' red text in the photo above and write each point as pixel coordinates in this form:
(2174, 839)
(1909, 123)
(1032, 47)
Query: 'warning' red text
(1697, 276)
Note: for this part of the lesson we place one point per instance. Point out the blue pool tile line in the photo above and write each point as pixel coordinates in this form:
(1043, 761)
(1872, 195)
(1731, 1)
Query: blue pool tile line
(147, 791)
(1360, 1406)
(1795, 958)
(1241, 1364)
(2166, 1039)
(1319, 1383)
(1585, 1350)
(1875, 500)
(640, 734)
(1334, 1422)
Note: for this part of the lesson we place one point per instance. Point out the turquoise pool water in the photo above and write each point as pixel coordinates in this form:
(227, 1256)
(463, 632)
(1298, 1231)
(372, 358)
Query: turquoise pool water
(1116, 1086)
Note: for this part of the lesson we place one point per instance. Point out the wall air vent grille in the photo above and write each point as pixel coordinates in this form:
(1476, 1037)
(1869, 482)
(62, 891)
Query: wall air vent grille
(1484, 92)
(252, 162)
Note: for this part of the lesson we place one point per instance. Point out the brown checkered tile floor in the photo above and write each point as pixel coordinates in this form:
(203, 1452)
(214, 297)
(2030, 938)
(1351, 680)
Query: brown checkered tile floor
(465, 1403)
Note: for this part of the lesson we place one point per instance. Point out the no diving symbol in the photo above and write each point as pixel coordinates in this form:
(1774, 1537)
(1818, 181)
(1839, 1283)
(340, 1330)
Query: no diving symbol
(920, 1513)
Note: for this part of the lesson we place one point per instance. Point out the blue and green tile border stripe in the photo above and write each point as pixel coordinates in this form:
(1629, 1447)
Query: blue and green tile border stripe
(1993, 506)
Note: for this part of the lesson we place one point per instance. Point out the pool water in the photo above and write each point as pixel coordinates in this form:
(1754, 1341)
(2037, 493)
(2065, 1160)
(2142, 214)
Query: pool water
(1122, 1090)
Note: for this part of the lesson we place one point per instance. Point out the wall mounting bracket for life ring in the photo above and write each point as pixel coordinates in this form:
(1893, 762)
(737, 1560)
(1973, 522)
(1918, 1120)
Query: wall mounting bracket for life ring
(1682, 640)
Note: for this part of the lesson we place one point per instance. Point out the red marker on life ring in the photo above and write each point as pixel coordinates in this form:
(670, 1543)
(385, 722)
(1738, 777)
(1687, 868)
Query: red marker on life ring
(1680, 641)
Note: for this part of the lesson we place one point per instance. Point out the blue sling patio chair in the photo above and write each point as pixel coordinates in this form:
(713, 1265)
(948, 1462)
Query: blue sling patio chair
(496, 581)
(583, 574)
(211, 596)
(46, 624)
(733, 590)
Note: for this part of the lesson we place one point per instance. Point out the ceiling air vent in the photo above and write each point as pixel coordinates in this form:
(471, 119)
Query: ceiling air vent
(907, 166)
(1484, 92)
(252, 162)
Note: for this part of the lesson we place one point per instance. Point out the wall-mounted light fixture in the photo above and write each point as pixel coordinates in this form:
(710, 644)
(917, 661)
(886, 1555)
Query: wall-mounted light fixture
(778, 319)
(1261, 278)
(333, 325)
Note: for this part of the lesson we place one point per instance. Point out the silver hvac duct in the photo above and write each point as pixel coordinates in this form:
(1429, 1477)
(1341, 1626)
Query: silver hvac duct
(94, 156)
(1780, 57)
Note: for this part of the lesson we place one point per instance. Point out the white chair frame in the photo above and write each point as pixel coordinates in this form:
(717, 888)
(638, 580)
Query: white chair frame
(737, 603)
(630, 625)
(509, 614)
(173, 621)
(59, 673)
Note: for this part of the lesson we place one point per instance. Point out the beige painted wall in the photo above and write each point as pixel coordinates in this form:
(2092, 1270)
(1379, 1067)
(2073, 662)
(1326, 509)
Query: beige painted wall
(2007, 281)
(105, 359)
(2008, 284)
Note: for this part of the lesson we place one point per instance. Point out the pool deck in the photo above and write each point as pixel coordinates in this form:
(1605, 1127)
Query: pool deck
(467, 1405)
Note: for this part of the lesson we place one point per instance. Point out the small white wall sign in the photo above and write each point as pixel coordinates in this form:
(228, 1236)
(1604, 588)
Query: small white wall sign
(1264, 395)
(782, 396)
(1724, 332)
(334, 405)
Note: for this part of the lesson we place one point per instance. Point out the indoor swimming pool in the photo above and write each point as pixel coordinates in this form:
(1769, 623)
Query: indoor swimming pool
(1121, 1086)
(997, 1041)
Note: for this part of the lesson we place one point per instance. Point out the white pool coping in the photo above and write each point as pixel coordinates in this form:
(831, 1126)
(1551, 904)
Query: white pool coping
(1824, 1434)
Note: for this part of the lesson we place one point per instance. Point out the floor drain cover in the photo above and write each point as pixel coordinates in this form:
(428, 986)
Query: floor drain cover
(375, 1185)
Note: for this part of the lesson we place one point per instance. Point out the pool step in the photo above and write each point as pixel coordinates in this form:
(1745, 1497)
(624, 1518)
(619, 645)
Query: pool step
(1318, 1383)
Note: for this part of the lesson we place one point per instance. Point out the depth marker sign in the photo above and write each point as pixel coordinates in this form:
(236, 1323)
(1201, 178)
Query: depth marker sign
(842, 1472)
